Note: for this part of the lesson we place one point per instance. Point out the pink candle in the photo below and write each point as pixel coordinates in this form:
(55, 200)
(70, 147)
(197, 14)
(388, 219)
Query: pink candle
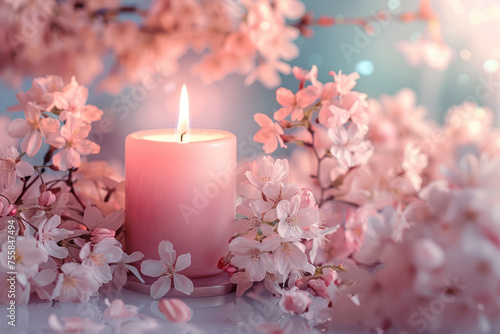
(181, 190)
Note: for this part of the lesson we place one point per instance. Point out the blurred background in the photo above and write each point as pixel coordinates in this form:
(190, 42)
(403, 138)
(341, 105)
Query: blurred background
(469, 26)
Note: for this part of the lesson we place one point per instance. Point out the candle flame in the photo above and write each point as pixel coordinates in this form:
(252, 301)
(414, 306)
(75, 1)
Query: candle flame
(183, 129)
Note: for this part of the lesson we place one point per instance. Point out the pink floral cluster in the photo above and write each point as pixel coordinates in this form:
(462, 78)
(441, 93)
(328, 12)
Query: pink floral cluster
(414, 206)
(252, 38)
(275, 223)
(61, 221)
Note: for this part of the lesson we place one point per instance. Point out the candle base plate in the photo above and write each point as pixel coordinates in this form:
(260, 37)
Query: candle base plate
(216, 285)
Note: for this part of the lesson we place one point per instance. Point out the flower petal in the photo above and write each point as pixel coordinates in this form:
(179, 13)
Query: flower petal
(167, 252)
(152, 268)
(160, 287)
(183, 284)
(183, 261)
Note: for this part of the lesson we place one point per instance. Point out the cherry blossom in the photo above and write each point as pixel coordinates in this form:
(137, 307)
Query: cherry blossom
(434, 54)
(98, 257)
(253, 255)
(349, 144)
(11, 166)
(269, 134)
(332, 116)
(72, 142)
(123, 267)
(76, 282)
(166, 271)
(71, 100)
(32, 129)
(266, 171)
(41, 93)
(293, 220)
(49, 235)
(294, 104)
(94, 219)
(290, 259)
(27, 259)
(345, 83)
(274, 193)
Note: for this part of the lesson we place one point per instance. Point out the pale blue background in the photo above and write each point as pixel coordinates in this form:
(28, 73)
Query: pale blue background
(231, 105)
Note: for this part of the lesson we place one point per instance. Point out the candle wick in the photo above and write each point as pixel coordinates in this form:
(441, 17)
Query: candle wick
(182, 135)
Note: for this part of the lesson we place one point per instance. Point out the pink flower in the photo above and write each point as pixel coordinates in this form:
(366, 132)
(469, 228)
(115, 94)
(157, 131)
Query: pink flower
(99, 256)
(266, 170)
(474, 172)
(295, 104)
(46, 198)
(293, 220)
(118, 310)
(253, 255)
(269, 134)
(28, 258)
(240, 43)
(165, 270)
(72, 99)
(295, 301)
(291, 260)
(100, 234)
(274, 193)
(279, 45)
(305, 75)
(434, 53)
(349, 145)
(93, 219)
(73, 142)
(11, 166)
(49, 236)
(250, 224)
(121, 269)
(345, 83)
(73, 325)
(267, 73)
(41, 93)
(32, 129)
(75, 283)
(332, 116)
(175, 310)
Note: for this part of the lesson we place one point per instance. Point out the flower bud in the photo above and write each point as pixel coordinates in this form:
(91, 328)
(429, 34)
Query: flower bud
(295, 301)
(12, 209)
(46, 198)
(329, 275)
(319, 287)
(175, 310)
(100, 234)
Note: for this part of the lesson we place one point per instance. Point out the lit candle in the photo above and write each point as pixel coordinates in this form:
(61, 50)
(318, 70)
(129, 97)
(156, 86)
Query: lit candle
(181, 187)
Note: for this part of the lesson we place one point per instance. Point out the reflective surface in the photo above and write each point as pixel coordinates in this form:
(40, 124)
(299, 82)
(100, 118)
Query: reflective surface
(222, 314)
